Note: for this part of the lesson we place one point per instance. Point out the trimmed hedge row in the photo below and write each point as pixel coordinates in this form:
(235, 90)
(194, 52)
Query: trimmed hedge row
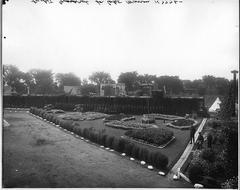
(155, 158)
(127, 105)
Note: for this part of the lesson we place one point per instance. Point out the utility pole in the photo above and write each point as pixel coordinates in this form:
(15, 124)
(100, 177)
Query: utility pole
(234, 72)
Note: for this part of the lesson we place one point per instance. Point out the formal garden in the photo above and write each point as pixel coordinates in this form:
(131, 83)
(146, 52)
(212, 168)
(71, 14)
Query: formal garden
(156, 144)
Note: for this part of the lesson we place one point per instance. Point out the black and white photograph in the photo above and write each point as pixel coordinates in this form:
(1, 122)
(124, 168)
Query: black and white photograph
(119, 93)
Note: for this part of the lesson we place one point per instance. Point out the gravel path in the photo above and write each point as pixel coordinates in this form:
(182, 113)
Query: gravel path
(37, 154)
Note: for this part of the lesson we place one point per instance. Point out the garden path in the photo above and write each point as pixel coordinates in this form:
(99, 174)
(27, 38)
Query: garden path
(186, 153)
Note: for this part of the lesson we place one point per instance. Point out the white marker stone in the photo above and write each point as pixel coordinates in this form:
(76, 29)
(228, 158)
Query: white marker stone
(132, 159)
(150, 167)
(161, 173)
(102, 146)
(175, 177)
(111, 150)
(123, 154)
(107, 148)
(143, 163)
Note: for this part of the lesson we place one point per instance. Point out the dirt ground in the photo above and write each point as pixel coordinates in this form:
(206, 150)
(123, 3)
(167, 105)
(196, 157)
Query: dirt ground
(37, 154)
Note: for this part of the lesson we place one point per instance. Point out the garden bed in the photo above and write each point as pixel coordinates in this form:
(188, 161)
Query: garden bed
(118, 117)
(129, 125)
(182, 123)
(154, 136)
(149, 144)
(81, 116)
(162, 116)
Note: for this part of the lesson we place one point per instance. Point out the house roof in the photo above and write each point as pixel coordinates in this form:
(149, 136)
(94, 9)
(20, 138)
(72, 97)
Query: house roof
(210, 99)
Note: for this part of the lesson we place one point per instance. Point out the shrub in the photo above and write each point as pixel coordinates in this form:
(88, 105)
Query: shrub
(208, 154)
(143, 154)
(121, 145)
(103, 140)
(160, 160)
(67, 125)
(115, 145)
(109, 142)
(195, 173)
(217, 170)
(128, 147)
(93, 137)
(86, 133)
(135, 152)
(77, 130)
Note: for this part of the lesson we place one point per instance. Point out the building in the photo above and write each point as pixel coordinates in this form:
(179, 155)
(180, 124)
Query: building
(72, 90)
(112, 89)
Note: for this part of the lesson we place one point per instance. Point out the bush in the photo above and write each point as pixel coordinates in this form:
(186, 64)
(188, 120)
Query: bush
(128, 148)
(217, 170)
(86, 133)
(66, 125)
(208, 154)
(195, 173)
(135, 152)
(109, 142)
(77, 130)
(121, 145)
(143, 154)
(160, 161)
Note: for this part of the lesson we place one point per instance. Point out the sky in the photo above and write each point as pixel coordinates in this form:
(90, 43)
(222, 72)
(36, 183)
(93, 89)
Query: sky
(188, 39)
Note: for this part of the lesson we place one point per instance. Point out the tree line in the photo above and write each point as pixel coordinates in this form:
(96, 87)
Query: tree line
(45, 82)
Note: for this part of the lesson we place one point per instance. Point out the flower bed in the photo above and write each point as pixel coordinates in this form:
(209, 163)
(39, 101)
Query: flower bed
(128, 125)
(78, 116)
(162, 116)
(153, 136)
(118, 117)
(182, 123)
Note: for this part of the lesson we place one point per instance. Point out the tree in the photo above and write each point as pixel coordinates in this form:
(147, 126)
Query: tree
(43, 80)
(87, 89)
(100, 77)
(172, 84)
(13, 77)
(130, 79)
(146, 78)
(67, 79)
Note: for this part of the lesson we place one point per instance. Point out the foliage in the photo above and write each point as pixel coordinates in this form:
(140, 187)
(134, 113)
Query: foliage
(230, 183)
(130, 79)
(195, 173)
(12, 77)
(100, 77)
(183, 122)
(208, 154)
(231, 146)
(173, 84)
(67, 79)
(43, 80)
(88, 89)
(157, 136)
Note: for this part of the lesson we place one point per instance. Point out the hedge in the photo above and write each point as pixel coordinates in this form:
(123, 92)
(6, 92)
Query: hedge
(121, 145)
(127, 105)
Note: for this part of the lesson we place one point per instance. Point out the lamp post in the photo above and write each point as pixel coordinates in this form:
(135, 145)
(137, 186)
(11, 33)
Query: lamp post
(234, 72)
